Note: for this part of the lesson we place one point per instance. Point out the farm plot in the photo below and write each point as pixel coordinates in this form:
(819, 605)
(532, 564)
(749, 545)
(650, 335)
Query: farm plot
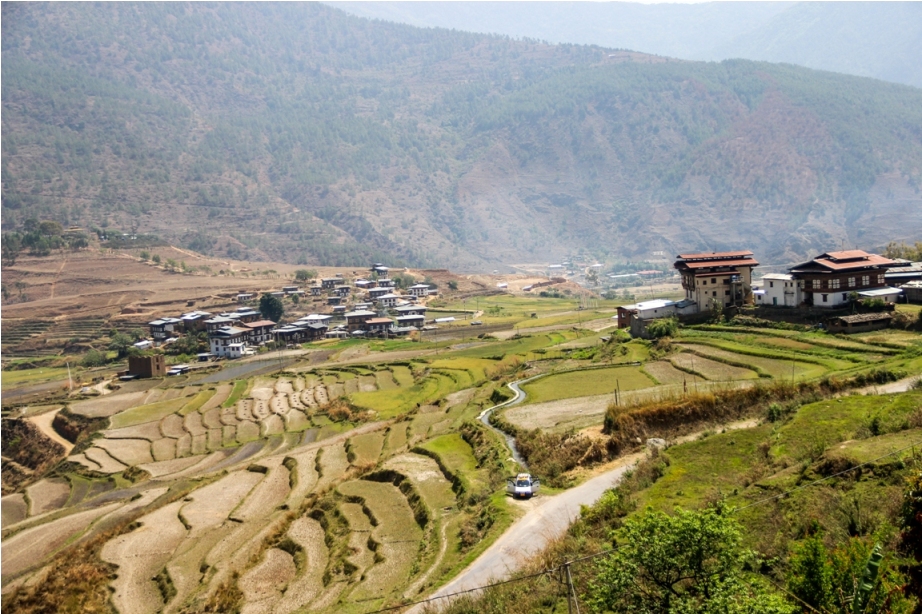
(396, 532)
(332, 463)
(268, 495)
(666, 374)
(146, 413)
(139, 555)
(47, 495)
(14, 509)
(365, 449)
(396, 437)
(778, 369)
(426, 476)
(710, 369)
(308, 534)
(103, 407)
(212, 504)
(586, 383)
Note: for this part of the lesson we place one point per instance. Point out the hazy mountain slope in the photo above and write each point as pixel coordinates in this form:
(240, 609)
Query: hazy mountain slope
(296, 132)
(872, 39)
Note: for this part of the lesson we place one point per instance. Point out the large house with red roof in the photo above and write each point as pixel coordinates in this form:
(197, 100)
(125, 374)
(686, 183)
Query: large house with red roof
(714, 279)
(829, 279)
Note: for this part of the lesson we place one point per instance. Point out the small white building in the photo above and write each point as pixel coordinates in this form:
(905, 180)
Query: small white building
(779, 290)
(228, 341)
(888, 295)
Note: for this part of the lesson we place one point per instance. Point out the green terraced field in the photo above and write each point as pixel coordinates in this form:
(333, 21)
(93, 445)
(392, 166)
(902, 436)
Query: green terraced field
(586, 383)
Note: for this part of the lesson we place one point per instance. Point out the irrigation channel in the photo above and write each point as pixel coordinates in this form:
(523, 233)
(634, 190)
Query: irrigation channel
(484, 417)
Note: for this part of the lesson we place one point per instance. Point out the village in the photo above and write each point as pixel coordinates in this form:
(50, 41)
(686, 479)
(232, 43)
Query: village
(843, 291)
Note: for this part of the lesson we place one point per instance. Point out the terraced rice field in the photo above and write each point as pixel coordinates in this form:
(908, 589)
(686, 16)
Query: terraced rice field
(586, 383)
(396, 532)
(666, 374)
(710, 369)
(776, 368)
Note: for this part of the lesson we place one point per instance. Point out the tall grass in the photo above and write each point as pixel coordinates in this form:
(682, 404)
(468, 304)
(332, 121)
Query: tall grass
(625, 425)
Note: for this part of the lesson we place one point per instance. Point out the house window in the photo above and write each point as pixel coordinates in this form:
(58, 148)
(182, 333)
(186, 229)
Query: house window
(704, 282)
(844, 296)
(817, 284)
(865, 280)
(851, 282)
(880, 279)
(713, 280)
(727, 292)
(771, 284)
(715, 293)
(825, 298)
(834, 284)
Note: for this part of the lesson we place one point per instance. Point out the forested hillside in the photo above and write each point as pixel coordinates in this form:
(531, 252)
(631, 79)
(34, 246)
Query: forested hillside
(296, 132)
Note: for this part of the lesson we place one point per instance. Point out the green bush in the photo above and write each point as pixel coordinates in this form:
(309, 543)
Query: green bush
(664, 327)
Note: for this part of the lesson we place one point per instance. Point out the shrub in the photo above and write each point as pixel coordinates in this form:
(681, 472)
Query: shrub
(663, 327)
(94, 358)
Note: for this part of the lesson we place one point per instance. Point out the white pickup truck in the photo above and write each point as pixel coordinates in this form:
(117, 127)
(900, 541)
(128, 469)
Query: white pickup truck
(523, 485)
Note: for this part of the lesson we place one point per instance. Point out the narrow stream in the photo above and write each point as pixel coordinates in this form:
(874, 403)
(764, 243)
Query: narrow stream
(518, 398)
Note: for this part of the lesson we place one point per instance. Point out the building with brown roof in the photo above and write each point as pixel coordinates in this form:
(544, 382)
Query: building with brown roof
(713, 279)
(830, 278)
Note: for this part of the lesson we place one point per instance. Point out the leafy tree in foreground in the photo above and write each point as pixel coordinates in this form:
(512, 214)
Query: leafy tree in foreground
(689, 562)
(271, 307)
(854, 578)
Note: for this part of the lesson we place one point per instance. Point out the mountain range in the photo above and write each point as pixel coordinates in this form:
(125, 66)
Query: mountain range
(299, 133)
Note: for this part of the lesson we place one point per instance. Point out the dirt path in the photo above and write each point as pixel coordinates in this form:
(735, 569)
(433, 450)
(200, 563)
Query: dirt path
(43, 422)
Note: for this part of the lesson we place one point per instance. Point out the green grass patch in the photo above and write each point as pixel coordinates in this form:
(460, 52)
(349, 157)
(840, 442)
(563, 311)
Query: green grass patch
(197, 401)
(146, 413)
(25, 377)
(239, 389)
(586, 383)
(458, 458)
(712, 466)
(390, 403)
(820, 425)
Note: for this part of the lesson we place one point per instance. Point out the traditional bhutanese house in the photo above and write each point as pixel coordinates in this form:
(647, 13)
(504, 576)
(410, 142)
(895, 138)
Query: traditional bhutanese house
(339, 311)
(217, 322)
(363, 306)
(859, 323)
(164, 328)
(384, 282)
(355, 320)
(244, 314)
(414, 320)
(829, 278)
(378, 326)
(194, 320)
(228, 341)
(903, 271)
(387, 301)
(376, 292)
(411, 310)
(260, 331)
(315, 318)
(244, 297)
(316, 290)
(419, 290)
(334, 299)
(328, 283)
(289, 289)
(365, 284)
(342, 290)
(716, 278)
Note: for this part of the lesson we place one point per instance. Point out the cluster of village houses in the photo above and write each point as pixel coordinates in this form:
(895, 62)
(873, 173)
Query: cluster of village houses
(831, 281)
(383, 312)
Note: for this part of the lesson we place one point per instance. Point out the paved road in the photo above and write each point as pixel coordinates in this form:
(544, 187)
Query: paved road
(548, 519)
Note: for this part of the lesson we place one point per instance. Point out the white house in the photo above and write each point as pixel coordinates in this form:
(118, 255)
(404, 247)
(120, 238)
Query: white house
(228, 341)
(419, 290)
(386, 301)
(780, 290)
